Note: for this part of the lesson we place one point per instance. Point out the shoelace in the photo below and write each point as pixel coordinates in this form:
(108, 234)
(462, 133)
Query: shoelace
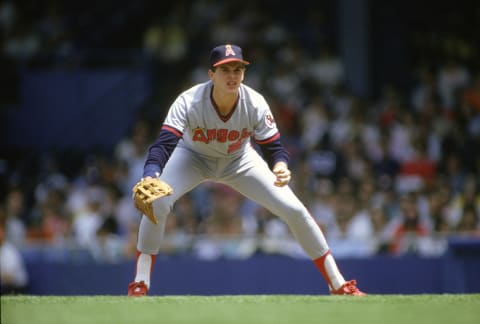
(137, 286)
(351, 286)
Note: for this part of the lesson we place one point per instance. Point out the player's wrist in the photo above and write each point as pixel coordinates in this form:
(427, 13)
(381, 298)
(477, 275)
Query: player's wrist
(151, 170)
(280, 164)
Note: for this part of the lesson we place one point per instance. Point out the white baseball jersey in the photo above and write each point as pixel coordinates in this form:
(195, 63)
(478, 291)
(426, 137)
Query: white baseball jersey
(215, 147)
(205, 131)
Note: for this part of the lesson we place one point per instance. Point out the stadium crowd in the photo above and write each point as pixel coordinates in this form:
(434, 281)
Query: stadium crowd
(394, 174)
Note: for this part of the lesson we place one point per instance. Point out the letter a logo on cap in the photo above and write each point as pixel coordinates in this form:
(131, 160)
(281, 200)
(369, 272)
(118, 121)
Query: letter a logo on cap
(229, 50)
(226, 53)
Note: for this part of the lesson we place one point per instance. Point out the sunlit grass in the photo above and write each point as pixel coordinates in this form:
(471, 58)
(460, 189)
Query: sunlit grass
(249, 309)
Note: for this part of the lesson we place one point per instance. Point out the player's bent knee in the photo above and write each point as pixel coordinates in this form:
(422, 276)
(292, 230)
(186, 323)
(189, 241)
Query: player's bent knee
(294, 213)
(162, 208)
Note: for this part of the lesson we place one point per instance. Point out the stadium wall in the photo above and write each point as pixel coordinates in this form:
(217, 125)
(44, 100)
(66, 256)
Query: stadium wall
(454, 273)
(78, 109)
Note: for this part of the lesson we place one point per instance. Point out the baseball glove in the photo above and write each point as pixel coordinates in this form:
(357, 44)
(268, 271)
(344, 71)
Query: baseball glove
(146, 191)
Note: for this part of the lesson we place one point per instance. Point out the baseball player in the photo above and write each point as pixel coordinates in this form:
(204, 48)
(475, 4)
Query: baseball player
(207, 135)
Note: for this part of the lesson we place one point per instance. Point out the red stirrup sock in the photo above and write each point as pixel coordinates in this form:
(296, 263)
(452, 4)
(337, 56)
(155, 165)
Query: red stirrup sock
(329, 270)
(144, 267)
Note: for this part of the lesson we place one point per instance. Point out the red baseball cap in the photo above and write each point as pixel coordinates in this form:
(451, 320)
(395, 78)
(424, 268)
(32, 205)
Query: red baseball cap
(226, 53)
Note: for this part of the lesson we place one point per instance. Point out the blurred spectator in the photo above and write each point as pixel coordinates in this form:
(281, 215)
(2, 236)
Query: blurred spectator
(452, 79)
(13, 273)
(153, 41)
(469, 196)
(387, 199)
(469, 223)
(314, 122)
(325, 160)
(402, 131)
(438, 201)
(417, 172)
(380, 238)
(470, 104)
(130, 153)
(54, 226)
(471, 96)
(385, 167)
(407, 227)
(16, 217)
(52, 183)
(273, 33)
(88, 221)
(284, 84)
(425, 90)
(454, 173)
(340, 102)
(326, 69)
(50, 220)
(353, 235)
(356, 165)
(388, 107)
(134, 144)
(287, 118)
(107, 245)
(255, 77)
(323, 205)
(432, 127)
(165, 43)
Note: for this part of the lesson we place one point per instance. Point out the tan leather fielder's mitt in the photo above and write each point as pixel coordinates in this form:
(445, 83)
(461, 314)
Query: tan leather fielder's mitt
(146, 191)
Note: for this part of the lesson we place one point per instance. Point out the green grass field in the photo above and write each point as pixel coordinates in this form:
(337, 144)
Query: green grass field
(274, 309)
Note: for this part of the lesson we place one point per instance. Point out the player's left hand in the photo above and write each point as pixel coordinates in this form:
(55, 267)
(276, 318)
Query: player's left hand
(283, 174)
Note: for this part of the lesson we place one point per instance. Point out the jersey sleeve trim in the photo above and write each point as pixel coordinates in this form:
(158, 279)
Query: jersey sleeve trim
(274, 152)
(268, 140)
(172, 130)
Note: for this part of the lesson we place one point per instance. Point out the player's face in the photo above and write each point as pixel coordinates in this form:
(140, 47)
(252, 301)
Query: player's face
(228, 77)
